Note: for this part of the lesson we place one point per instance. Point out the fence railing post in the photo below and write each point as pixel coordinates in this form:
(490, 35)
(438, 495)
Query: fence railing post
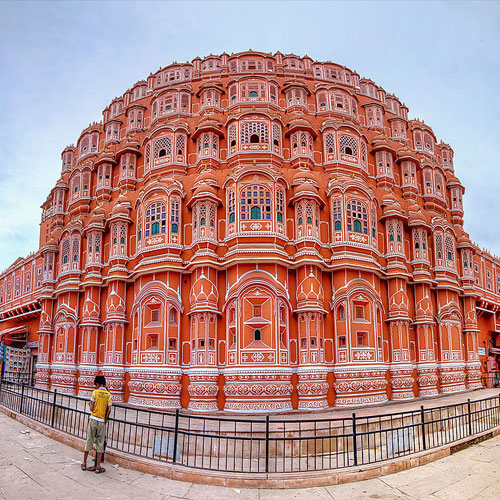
(52, 420)
(267, 443)
(354, 439)
(470, 417)
(176, 435)
(422, 420)
(22, 399)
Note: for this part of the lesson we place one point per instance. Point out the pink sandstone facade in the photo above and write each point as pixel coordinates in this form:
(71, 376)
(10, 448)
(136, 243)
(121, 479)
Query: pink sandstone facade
(255, 233)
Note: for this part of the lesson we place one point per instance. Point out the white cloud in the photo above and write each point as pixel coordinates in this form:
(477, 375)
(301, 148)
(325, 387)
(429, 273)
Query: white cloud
(62, 63)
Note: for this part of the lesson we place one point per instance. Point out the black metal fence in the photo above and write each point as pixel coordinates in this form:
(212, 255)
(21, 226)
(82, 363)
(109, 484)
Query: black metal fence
(260, 444)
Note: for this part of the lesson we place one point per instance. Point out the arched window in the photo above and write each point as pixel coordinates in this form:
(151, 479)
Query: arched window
(348, 145)
(139, 224)
(156, 215)
(450, 250)
(174, 215)
(232, 136)
(439, 245)
(340, 313)
(300, 216)
(75, 251)
(337, 214)
(357, 217)
(279, 205)
(163, 148)
(330, 145)
(255, 203)
(254, 132)
(232, 206)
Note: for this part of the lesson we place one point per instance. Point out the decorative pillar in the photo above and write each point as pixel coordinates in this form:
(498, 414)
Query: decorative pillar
(312, 386)
(203, 372)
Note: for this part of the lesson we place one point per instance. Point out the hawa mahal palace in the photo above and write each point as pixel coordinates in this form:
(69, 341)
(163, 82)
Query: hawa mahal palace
(255, 233)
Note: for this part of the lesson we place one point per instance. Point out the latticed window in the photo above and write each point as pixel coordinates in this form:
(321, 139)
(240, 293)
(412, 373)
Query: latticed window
(233, 92)
(232, 136)
(211, 215)
(255, 203)
(296, 97)
(139, 224)
(450, 250)
(420, 244)
(330, 143)
(174, 215)
(254, 133)
(232, 206)
(439, 185)
(253, 91)
(9, 290)
(155, 220)
(300, 214)
(340, 103)
(357, 217)
(418, 140)
(163, 147)
(428, 142)
(348, 145)
(439, 245)
(276, 135)
(363, 152)
(279, 205)
(310, 215)
(322, 101)
(337, 214)
(123, 234)
(97, 247)
(374, 222)
(65, 251)
(75, 252)
(147, 154)
(180, 145)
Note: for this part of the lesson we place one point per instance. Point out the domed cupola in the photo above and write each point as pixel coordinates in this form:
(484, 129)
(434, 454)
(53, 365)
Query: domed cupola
(204, 295)
(310, 293)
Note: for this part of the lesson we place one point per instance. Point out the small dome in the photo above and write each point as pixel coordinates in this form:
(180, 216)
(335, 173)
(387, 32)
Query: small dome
(205, 189)
(119, 209)
(306, 187)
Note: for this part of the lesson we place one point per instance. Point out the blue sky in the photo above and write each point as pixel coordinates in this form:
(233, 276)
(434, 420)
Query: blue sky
(63, 62)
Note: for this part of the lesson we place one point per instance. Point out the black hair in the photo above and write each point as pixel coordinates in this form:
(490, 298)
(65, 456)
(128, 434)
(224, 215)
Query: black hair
(100, 380)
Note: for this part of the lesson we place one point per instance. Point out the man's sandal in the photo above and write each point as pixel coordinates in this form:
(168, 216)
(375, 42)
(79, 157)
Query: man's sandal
(83, 467)
(91, 469)
(100, 470)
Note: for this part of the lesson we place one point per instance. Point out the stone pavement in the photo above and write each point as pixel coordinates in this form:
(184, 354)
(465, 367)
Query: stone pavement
(34, 467)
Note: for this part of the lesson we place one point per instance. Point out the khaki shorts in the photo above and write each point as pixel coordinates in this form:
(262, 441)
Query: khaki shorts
(95, 434)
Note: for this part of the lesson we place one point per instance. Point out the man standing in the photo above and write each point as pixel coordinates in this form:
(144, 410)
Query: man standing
(100, 407)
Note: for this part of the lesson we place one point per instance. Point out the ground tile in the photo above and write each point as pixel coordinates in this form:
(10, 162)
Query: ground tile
(466, 488)
(162, 485)
(296, 494)
(205, 492)
(371, 488)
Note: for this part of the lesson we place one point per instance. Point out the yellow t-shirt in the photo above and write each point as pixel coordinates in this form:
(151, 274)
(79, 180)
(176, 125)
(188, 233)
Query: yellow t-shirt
(102, 399)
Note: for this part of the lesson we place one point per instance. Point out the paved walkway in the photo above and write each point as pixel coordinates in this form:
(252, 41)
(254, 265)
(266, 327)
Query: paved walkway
(34, 467)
